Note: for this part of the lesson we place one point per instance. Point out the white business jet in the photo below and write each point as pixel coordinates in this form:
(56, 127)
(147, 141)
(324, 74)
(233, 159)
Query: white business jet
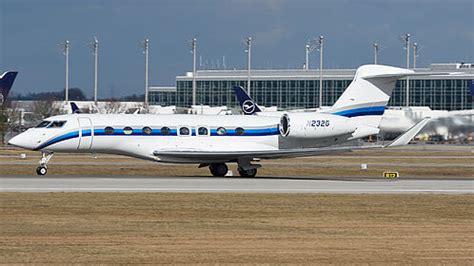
(214, 140)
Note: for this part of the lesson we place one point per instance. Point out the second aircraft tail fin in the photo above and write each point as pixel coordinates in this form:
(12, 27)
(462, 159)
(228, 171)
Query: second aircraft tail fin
(6, 82)
(248, 105)
(75, 109)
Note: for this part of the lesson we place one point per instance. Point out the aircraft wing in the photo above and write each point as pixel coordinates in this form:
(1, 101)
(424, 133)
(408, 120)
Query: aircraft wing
(225, 156)
(269, 154)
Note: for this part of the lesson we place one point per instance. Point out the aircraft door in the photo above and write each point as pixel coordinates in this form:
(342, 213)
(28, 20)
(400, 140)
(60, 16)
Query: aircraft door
(86, 134)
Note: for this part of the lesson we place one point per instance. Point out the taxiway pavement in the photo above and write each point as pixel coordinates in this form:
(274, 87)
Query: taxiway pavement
(231, 184)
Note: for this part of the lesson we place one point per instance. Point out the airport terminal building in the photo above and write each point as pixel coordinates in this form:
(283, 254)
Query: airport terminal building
(299, 88)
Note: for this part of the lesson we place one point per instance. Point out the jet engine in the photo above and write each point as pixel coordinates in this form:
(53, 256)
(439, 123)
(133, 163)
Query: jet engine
(314, 125)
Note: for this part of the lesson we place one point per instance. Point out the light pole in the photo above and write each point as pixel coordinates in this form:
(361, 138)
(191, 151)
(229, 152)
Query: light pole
(321, 46)
(249, 61)
(66, 55)
(309, 47)
(415, 54)
(95, 47)
(376, 52)
(306, 60)
(406, 38)
(146, 45)
(193, 51)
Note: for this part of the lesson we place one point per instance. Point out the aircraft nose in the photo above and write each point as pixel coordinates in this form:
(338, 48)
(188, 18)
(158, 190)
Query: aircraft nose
(22, 141)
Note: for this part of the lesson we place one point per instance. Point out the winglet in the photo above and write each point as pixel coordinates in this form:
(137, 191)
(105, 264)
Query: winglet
(411, 133)
(248, 105)
(75, 109)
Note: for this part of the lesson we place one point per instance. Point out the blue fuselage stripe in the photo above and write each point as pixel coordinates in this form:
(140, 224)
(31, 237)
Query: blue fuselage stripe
(70, 135)
(363, 111)
(155, 132)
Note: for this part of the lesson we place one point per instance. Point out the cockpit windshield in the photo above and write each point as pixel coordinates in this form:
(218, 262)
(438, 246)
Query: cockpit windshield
(57, 124)
(43, 124)
(51, 124)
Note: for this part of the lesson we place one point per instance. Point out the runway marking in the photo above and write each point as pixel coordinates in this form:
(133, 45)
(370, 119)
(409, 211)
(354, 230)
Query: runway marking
(39, 189)
(209, 185)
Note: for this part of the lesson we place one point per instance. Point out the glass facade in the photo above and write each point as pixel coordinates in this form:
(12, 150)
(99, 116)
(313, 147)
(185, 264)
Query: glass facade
(163, 98)
(286, 92)
(438, 94)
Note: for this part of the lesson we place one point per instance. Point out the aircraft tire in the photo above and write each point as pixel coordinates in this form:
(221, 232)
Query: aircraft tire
(41, 170)
(218, 169)
(247, 173)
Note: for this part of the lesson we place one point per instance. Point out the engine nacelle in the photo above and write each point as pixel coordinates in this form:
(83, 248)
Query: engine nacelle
(314, 125)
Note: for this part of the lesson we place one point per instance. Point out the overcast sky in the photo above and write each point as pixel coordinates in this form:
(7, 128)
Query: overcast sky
(31, 31)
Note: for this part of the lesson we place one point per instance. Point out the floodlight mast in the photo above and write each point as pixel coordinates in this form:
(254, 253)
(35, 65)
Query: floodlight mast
(406, 38)
(193, 51)
(376, 53)
(309, 47)
(321, 46)
(146, 45)
(306, 61)
(96, 57)
(249, 61)
(66, 55)
(415, 54)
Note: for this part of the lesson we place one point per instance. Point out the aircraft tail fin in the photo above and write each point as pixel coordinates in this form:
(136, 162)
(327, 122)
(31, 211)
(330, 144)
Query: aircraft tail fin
(366, 98)
(6, 82)
(75, 109)
(248, 105)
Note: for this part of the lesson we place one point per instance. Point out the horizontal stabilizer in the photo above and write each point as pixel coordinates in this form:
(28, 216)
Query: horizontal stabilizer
(410, 134)
(404, 75)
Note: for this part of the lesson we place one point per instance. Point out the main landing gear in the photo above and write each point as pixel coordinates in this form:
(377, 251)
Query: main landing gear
(42, 169)
(218, 169)
(247, 173)
(221, 169)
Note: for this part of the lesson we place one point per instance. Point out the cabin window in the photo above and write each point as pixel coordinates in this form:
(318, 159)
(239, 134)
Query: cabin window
(146, 130)
(239, 131)
(203, 131)
(165, 130)
(109, 130)
(43, 124)
(184, 131)
(127, 130)
(221, 131)
(57, 124)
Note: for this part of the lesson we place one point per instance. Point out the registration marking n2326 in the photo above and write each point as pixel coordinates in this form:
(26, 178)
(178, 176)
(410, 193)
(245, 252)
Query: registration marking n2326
(318, 123)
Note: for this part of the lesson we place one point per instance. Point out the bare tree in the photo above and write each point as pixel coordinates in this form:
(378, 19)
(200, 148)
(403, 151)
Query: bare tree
(10, 120)
(3, 123)
(46, 108)
(114, 107)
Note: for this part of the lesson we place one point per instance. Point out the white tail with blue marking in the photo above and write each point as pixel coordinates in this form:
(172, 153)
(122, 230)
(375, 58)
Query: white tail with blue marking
(365, 99)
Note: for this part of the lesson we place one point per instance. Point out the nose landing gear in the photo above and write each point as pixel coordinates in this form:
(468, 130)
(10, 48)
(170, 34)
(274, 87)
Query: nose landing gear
(42, 169)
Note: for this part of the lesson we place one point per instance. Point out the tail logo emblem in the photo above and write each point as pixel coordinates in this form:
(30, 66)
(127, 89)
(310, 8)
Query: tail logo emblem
(248, 107)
